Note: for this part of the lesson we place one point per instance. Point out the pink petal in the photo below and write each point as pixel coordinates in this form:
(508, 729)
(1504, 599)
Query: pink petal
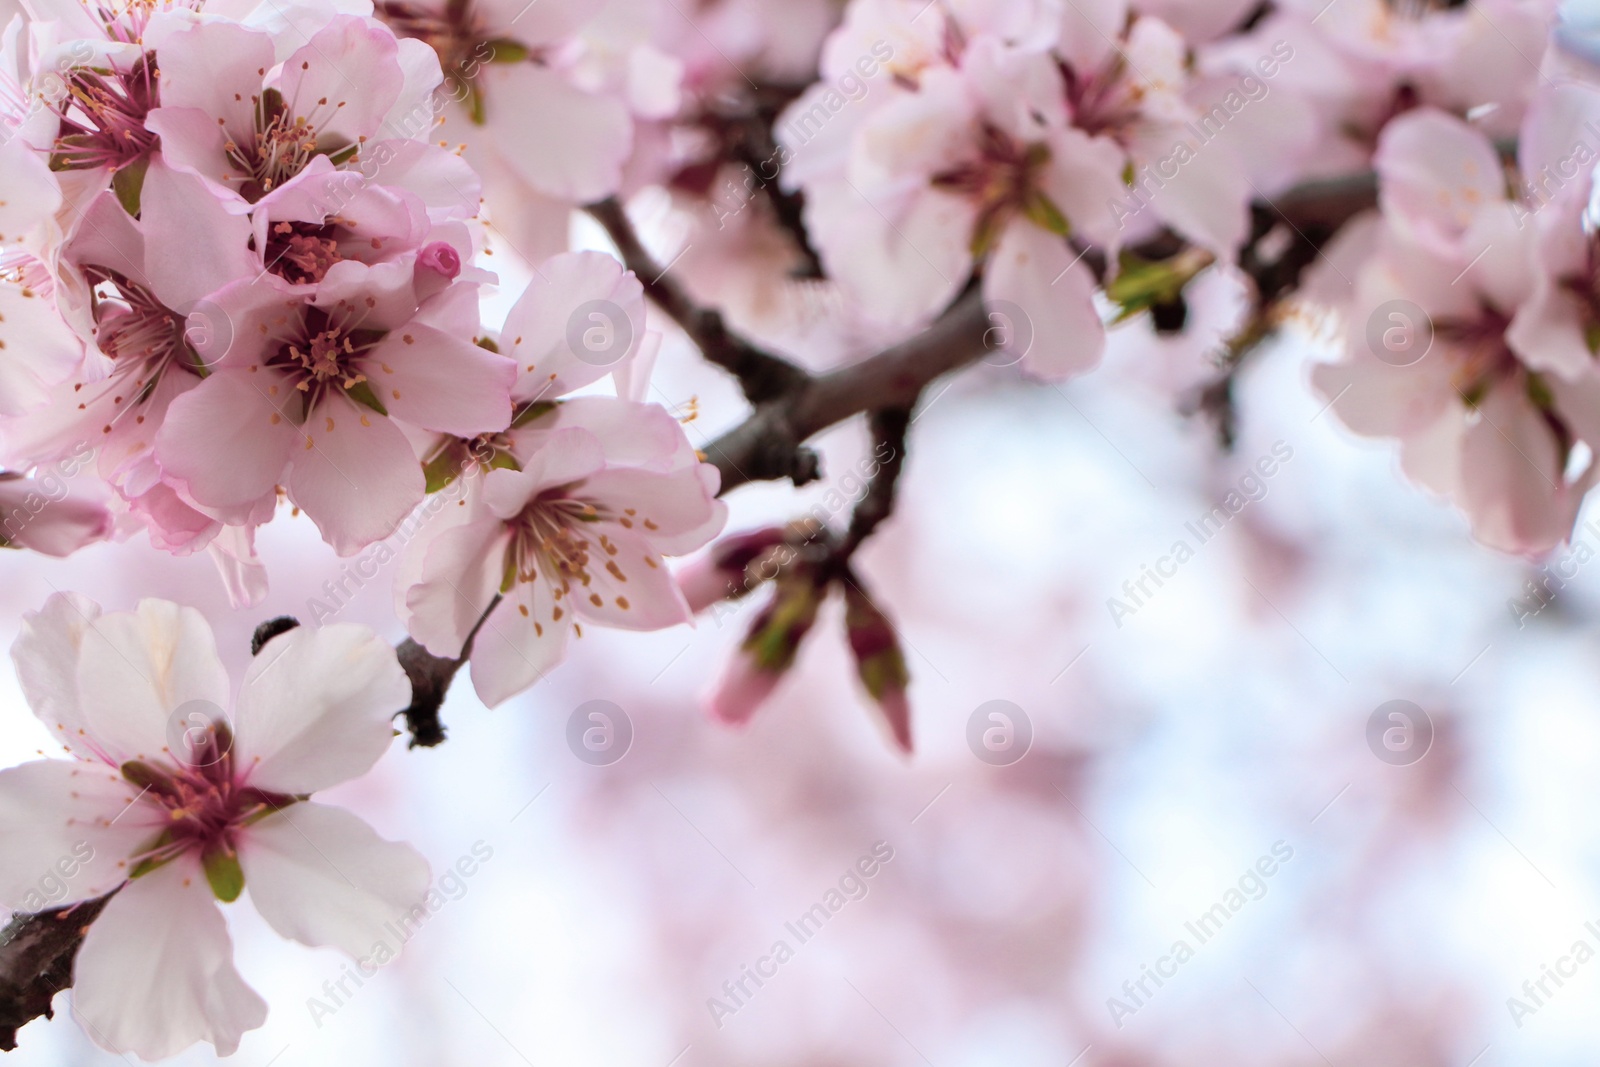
(577, 296)
(315, 707)
(69, 828)
(321, 876)
(1041, 304)
(441, 383)
(566, 142)
(513, 650)
(344, 80)
(356, 475)
(136, 669)
(461, 573)
(227, 440)
(167, 927)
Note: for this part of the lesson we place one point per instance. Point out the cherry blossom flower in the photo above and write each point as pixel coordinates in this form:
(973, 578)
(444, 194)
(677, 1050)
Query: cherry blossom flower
(246, 126)
(978, 164)
(129, 286)
(572, 508)
(174, 805)
(521, 110)
(1476, 423)
(313, 384)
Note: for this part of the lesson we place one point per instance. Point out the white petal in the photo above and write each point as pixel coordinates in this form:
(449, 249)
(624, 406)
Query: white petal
(136, 668)
(321, 876)
(577, 296)
(155, 973)
(1041, 301)
(315, 707)
(461, 574)
(513, 650)
(46, 658)
(564, 141)
(69, 828)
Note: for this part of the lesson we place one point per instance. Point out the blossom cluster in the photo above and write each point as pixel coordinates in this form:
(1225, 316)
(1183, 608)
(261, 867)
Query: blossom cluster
(244, 257)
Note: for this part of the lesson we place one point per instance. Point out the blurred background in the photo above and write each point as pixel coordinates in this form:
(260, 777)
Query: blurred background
(1157, 757)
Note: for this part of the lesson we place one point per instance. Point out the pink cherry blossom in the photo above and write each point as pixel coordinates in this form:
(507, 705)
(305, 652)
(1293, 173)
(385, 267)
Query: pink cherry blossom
(576, 534)
(233, 117)
(312, 387)
(168, 801)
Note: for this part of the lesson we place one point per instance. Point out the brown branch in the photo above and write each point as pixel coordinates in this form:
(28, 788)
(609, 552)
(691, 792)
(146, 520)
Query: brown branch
(889, 429)
(791, 406)
(762, 375)
(430, 681)
(36, 955)
(769, 444)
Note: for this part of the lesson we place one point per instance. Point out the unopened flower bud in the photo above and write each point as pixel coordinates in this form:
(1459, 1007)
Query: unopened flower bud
(879, 661)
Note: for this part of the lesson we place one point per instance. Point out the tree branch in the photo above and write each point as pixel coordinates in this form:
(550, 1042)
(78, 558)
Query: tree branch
(36, 956)
(791, 406)
(762, 375)
(768, 444)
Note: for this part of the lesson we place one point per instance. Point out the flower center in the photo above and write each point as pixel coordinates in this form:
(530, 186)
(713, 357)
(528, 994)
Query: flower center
(204, 803)
(324, 353)
(547, 538)
(133, 328)
(1003, 180)
(102, 117)
(301, 253)
(279, 147)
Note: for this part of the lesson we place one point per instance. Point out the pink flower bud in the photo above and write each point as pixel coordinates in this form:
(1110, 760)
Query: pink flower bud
(743, 687)
(441, 259)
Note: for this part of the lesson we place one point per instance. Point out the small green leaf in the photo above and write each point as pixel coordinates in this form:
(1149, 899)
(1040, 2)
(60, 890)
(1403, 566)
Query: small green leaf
(1043, 213)
(532, 411)
(224, 874)
(475, 106)
(362, 393)
(441, 470)
(129, 184)
(505, 461)
(1539, 393)
(508, 51)
(1591, 337)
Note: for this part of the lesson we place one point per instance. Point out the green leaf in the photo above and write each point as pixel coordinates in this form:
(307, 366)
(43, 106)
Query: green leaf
(1043, 213)
(1539, 393)
(532, 411)
(129, 184)
(224, 874)
(475, 106)
(1591, 337)
(362, 393)
(508, 51)
(441, 470)
(1141, 284)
